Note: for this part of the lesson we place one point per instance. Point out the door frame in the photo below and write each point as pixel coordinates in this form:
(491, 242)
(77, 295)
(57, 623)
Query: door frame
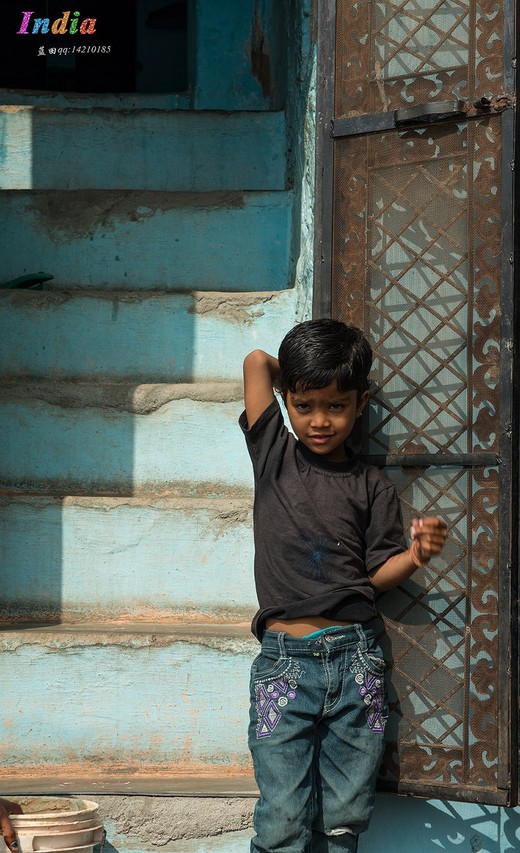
(509, 455)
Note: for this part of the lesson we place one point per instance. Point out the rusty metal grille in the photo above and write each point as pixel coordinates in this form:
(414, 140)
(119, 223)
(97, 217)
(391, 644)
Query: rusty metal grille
(396, 53)
(416, 262)
(415, 245)
(442, 639)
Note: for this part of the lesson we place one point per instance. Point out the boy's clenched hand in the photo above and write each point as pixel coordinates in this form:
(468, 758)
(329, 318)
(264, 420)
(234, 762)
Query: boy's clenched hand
(430, 534)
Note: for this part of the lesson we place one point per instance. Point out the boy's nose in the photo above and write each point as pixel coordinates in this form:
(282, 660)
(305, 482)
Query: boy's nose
(320, 419)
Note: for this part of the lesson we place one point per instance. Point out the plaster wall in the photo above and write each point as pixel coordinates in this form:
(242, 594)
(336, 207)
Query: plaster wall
(151, 337)
(167, 554)
(399, 825)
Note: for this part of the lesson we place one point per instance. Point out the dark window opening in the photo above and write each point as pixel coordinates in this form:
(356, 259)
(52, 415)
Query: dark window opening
(132, 46)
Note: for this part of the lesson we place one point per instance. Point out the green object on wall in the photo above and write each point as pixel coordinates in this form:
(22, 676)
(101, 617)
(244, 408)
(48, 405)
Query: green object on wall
(31, 281)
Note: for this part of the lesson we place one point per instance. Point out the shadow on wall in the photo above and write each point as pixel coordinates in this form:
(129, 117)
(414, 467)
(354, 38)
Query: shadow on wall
(406, 825)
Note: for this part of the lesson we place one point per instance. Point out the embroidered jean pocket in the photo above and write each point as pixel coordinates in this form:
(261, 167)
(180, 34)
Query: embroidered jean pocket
(265, 667)
(372, 662)
(272, 690)
(368, 670)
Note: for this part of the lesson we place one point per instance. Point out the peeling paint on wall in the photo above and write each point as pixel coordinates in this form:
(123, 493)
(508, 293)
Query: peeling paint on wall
(150, 240)
(232, 308)
(64, 216)
(260, 54)
(136, 399)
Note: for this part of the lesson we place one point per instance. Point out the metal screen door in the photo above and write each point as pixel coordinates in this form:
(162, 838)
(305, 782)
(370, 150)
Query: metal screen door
(415, 247)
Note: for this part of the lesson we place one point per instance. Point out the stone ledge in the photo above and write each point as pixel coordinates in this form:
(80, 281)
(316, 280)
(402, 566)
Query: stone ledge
(177, 785)
(138, 399)
(229, 504)
(222, 636)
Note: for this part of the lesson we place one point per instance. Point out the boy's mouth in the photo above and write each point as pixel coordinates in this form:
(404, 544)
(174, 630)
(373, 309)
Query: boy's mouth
(321, 439)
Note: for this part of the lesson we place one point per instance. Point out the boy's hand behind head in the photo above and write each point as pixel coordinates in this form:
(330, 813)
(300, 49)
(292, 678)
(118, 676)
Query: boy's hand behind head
(261, 375)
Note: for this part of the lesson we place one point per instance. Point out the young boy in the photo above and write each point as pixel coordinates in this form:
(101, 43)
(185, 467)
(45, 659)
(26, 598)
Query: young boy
(328, 537)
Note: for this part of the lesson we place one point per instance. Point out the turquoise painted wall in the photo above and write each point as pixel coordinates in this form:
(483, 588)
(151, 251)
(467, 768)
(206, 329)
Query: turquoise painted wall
(161, 552)
(405, 825)
(125, 509)
(176, 701)
(146, 335)
(400, 825)
(166, 150)
(140, 241)
(186, 321)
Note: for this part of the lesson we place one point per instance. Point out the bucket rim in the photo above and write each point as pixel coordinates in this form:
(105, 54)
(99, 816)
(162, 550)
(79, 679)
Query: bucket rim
(27, 817)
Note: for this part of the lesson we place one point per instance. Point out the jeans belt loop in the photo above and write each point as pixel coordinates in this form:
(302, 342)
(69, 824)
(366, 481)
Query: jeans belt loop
(362, 638)
(281, 643)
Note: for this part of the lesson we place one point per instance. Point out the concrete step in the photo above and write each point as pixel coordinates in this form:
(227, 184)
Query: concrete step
(138, 336)
(71, 438)
(146, 558)
(216, 783)
(46, 148)
(133, 239)
(151, 699)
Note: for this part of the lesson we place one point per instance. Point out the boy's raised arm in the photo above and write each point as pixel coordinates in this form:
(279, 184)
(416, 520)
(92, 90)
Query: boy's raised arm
(260, 377)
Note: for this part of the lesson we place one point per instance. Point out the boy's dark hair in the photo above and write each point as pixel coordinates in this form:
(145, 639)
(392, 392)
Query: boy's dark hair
(317, 352)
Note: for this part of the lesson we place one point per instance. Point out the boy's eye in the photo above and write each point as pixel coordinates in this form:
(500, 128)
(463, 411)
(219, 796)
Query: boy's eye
(336, 407)
(301, 407)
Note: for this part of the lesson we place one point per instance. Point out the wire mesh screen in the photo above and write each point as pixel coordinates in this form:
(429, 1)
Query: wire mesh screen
(442, 638)
(416, 262)
(396, 53)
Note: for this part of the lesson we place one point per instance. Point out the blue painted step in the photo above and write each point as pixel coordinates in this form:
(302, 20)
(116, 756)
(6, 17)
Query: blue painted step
(134, 240)
(182, 151)
(151, 699)
(111, 558)
(70, 439)
(138, 336)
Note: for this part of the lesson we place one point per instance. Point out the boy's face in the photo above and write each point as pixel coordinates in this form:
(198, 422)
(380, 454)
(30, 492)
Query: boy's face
(323, 418)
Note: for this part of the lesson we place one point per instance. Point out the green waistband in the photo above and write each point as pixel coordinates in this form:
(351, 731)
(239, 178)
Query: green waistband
(320, 632)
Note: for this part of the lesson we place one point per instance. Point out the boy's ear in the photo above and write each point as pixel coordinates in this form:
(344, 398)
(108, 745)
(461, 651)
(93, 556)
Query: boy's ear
(362, 401)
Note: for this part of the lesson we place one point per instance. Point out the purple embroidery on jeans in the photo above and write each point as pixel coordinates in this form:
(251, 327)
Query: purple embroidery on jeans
(371, 691)
(271, 697)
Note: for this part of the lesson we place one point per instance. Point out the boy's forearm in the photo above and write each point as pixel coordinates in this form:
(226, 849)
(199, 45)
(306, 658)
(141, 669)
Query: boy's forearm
(429, 537)
(394, 572)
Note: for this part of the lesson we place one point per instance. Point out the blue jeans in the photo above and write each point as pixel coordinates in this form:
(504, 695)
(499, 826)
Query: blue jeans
(316, 734)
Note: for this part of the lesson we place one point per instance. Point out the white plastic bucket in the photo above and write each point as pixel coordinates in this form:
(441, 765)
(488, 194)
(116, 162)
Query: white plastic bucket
(56, 823)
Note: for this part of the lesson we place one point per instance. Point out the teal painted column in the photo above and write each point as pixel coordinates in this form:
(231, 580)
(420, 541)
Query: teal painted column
(239, 49)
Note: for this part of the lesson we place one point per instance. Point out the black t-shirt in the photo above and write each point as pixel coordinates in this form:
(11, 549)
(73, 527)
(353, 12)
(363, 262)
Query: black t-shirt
(319, 527)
